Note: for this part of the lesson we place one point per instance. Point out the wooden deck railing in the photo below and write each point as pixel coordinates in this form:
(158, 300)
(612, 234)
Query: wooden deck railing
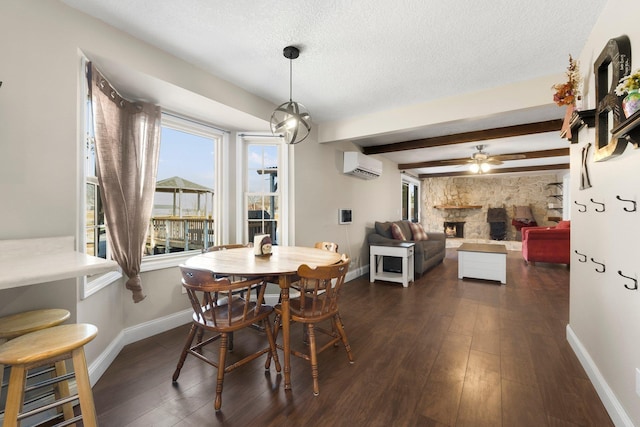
(173, 234)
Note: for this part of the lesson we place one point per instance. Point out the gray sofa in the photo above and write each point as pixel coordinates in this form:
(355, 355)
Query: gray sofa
(427, 253)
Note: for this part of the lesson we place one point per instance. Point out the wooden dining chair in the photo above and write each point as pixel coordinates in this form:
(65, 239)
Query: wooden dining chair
(298, 286)
(222, 307)
(232, 278)
(318, 303)
(327, 246)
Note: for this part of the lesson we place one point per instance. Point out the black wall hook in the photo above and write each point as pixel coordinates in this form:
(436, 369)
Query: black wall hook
(582, 208)
(584, 257)
(602, 266)
(635, 281)
(633, 209)
(598, 203)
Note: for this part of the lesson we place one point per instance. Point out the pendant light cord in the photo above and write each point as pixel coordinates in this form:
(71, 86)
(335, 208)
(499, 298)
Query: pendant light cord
(290, 79)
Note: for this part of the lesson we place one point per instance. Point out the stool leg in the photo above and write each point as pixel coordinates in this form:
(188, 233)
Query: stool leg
(15, 396)
(89, 417)
(61, 389)
(2, 341)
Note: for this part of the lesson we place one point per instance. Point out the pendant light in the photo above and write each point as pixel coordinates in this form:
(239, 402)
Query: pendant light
(291, 120)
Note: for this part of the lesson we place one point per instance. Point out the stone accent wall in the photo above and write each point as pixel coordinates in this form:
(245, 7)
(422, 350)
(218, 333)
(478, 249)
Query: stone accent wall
(488, 192)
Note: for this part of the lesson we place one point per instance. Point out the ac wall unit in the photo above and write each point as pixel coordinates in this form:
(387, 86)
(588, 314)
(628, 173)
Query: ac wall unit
(365, 167)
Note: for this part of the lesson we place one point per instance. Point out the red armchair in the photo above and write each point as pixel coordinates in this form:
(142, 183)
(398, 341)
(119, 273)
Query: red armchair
(547, 244)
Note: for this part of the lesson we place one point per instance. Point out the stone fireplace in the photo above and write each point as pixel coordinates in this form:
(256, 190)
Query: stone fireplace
(454, 229)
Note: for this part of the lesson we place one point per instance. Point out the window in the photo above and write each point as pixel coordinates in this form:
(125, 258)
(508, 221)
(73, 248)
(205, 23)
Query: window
(410, 199)
(265, 183)
(185, 206)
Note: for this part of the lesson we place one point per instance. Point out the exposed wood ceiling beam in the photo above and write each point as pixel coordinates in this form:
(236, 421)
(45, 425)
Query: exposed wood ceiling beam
(497, 171)
(479, 135)
(528, 155)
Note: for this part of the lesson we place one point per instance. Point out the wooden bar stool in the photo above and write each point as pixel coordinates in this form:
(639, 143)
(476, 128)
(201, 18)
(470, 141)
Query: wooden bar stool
(43, 347)
(19, 324)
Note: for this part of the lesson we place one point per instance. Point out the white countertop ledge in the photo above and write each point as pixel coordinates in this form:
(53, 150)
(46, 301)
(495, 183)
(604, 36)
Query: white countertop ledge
(26, 262)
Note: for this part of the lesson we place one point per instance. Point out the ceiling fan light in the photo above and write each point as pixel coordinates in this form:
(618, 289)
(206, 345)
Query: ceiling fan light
(485, 167)
(474, 168)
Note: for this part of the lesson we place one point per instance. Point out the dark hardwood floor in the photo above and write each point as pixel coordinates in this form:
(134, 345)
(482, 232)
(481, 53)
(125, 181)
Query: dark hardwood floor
(443, 352)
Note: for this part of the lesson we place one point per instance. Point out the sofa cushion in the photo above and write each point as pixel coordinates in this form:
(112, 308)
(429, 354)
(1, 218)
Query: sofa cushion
(396, 232)
(564, 224)
(417, 231)
(384, 229)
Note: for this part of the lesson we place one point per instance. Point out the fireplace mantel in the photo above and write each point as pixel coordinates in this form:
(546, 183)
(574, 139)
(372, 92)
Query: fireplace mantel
(458, 206)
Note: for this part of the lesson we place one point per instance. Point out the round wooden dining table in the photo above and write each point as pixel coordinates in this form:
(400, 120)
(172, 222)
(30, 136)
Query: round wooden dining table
(283, 263)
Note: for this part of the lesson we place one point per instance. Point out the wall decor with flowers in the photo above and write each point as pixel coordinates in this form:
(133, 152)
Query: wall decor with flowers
(567, 94)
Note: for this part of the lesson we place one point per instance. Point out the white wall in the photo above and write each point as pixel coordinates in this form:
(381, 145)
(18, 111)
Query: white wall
(321, 189)
(604, 327)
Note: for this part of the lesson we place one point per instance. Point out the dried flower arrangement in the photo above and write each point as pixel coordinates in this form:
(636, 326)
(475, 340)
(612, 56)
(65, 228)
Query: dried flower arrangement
(568, 93)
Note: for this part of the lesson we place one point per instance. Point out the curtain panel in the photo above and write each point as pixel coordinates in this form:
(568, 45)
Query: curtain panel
(127, 145)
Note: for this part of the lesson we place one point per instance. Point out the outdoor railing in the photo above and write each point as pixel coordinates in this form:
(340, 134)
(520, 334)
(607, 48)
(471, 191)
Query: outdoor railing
(173, 234)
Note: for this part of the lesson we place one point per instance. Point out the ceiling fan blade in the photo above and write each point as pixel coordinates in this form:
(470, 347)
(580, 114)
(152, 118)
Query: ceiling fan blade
(493, 161)
(509, 157)
(456, 161)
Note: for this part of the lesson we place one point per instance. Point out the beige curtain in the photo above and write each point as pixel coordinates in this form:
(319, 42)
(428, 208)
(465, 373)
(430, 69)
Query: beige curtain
(127, 143)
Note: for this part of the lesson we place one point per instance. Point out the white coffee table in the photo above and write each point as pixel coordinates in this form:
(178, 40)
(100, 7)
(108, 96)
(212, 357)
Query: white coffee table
(482, 261)
(402, 250)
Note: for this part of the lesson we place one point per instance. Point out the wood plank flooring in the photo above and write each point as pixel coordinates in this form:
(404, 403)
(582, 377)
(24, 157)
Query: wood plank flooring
(443, 352)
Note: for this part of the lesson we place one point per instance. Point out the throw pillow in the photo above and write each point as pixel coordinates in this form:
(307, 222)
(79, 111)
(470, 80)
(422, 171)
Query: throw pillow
(396, 232)
(418, 232)
(384, 229)
(522, 212)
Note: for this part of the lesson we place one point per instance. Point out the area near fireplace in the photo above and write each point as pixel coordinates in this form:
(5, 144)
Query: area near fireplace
(454, 229)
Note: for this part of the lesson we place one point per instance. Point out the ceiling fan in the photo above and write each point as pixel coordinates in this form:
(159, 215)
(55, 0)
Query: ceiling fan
(481, 161)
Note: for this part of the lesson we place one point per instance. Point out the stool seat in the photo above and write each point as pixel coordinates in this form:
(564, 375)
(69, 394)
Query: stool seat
(44, 347)
(46, 343)
(30, 321)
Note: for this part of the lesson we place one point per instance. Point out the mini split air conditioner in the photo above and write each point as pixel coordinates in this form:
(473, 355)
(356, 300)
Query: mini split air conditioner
(357, 164)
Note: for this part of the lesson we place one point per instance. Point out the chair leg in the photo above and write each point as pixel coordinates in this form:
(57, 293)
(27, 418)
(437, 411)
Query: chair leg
(314, 358)
(343, 335)
(272, 345)
(276, 329)
(221, 367)
(186, 348)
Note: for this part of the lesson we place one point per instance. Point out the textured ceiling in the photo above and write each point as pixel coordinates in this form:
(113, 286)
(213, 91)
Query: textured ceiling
(361, 57)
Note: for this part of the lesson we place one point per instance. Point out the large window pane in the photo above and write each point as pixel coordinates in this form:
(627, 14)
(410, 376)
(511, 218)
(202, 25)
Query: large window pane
(262, 196)
(184, 201)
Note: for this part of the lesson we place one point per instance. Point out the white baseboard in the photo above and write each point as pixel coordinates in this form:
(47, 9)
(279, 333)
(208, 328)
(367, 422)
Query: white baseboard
(135, 333)
(609, 399)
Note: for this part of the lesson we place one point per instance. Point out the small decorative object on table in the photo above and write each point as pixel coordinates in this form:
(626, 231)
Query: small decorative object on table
(630, 85)
(262, 245)
(568, 93)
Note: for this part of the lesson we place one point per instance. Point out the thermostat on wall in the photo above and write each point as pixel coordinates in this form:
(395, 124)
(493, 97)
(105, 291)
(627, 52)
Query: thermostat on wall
(344, 216)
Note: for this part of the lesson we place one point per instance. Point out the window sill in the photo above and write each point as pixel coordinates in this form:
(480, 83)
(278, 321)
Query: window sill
(92, 285)
(158, 262)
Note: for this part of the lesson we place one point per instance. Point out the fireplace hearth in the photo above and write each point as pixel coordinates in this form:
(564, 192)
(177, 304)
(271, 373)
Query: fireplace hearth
(454, 229)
